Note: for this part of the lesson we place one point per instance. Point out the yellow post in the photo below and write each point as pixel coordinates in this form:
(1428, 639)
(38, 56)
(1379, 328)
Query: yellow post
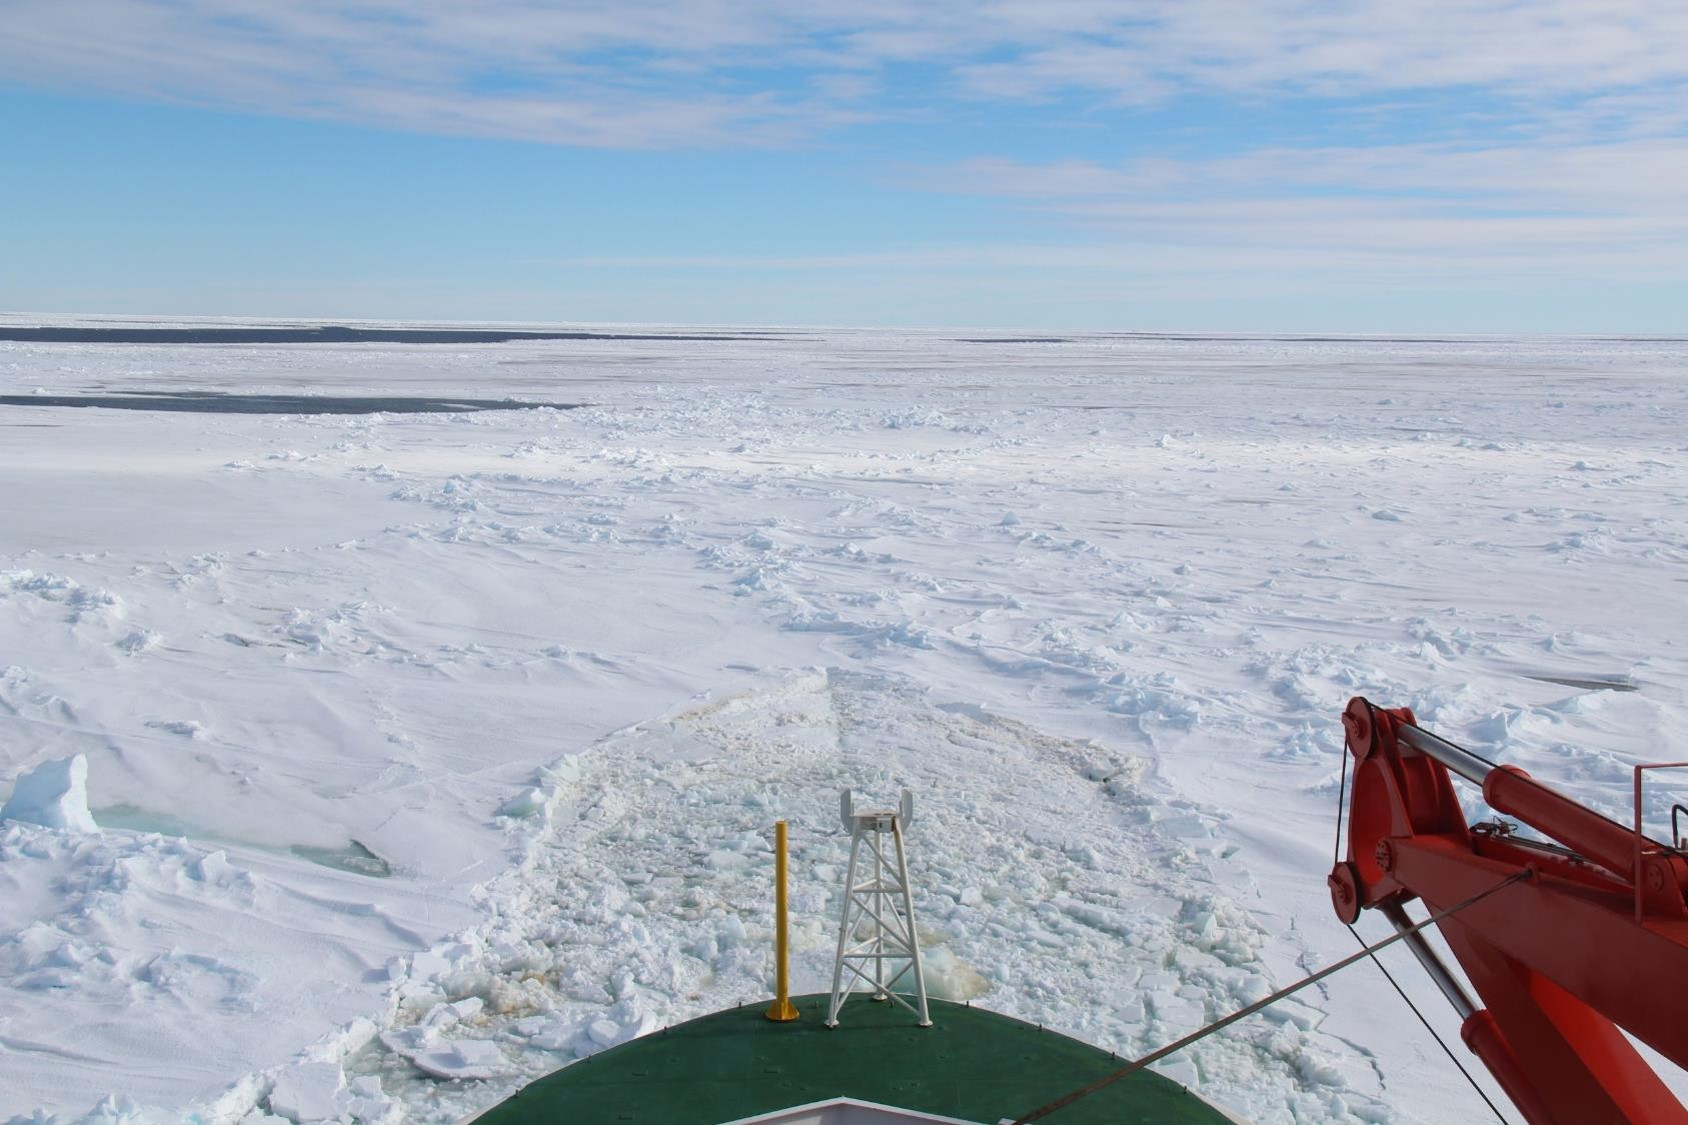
(781, 1010)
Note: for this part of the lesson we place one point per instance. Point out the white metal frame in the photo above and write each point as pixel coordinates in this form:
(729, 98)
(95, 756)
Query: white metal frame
(878, 922)
(846, 1111)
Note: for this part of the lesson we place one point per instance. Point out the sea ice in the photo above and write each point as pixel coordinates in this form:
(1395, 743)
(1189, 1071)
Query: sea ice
(560, 670)
(54, 794)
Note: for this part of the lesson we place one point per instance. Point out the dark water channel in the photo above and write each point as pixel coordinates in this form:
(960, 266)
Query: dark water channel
(217, 402)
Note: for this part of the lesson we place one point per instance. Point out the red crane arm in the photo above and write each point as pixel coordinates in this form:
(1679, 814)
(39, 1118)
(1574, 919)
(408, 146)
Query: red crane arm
(1596, 940)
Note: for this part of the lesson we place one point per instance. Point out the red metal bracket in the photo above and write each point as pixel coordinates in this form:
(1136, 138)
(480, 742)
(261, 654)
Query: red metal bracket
(1644, 878)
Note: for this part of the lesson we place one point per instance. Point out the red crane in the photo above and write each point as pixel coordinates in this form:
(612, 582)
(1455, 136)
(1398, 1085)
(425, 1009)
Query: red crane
(1595, 939)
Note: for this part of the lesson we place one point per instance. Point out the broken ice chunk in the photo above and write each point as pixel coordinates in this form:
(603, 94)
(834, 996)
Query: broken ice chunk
(462, 1058)
(53, 794)
(528, 802)
(309, 1091)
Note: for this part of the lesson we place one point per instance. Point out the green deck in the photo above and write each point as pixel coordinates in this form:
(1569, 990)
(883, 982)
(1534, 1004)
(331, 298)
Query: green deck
(972, 1064)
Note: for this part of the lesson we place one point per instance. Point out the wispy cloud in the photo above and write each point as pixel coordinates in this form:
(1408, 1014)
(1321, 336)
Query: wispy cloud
(604, 75)
(1497, 210)
(720, 72)
(1427, 143)
(1373, 218)
(1541, 47)
(1372, 248)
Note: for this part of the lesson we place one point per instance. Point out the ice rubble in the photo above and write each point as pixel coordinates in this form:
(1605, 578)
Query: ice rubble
(1041, 867)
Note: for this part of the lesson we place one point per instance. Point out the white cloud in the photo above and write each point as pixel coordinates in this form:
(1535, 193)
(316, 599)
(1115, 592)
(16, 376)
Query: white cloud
(1366, 46)
(591, 74)
(1591, 208)
(703, 72)
(1220, 259)
(1369, 218)
(1644, 174)
(1590, 100)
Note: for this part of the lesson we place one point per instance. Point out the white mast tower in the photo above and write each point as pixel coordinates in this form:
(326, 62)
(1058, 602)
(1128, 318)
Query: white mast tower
(878, 922)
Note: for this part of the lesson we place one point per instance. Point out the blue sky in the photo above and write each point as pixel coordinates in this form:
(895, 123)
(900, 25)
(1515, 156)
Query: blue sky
(1288, 165)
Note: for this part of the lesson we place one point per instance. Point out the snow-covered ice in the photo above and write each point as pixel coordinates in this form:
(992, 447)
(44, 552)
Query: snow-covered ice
(362, 767)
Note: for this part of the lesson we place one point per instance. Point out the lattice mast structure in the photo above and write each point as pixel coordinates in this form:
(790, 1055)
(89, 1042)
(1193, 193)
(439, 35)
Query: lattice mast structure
(877, 930)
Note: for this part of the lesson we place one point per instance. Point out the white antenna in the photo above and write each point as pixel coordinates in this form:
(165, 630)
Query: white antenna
(878, 922)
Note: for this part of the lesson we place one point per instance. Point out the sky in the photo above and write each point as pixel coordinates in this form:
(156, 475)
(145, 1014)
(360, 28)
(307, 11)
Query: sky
(1210, 165)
